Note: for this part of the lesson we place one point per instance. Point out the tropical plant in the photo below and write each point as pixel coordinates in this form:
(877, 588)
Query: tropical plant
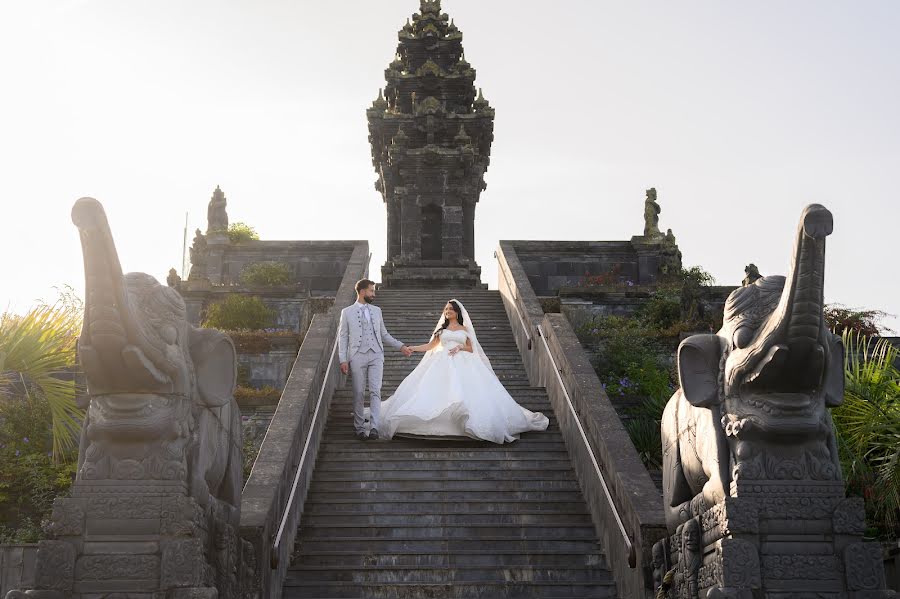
(867, 425)
(30, 477)
(239, 312)
(238, 232)
(37, 363)
(644, 429)
(840, 318)
(267, 274)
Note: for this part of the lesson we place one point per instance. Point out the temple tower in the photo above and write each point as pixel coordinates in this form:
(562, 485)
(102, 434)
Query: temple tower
(431, 141)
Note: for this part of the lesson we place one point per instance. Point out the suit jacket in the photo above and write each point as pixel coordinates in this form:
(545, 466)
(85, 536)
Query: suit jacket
(351, 328)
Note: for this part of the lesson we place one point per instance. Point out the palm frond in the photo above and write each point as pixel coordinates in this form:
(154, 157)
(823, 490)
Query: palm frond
(37, 361)
(867, 425)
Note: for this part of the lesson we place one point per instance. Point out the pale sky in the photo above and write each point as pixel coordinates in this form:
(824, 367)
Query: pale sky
(739, 113)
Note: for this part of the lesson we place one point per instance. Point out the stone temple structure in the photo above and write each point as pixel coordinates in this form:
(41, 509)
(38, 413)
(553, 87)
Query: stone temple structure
(754, 505)
(431, 141)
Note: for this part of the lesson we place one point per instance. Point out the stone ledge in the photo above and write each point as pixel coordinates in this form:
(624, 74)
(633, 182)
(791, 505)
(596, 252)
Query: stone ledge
(265, 495)
(636, 497)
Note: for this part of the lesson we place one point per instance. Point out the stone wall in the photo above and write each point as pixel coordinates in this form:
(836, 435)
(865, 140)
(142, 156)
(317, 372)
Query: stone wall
(555, 359)
(296, 428)
(317, 266)
(17, 566)
(584, 303)
(271, 367)
(552, 265)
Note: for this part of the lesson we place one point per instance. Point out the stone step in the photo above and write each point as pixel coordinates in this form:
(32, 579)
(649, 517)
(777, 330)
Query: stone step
(417, 545)
(364, 505)
(460, 558)
(446, 500)
(447, 521)
(390, 453)
(447, 465)
(429, 531)
(449, 488)
(499, 474)
(367, 575)
(452, 517)
(450, 590)
(338, 440)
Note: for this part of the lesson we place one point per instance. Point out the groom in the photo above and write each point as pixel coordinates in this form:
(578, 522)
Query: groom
(361, 339)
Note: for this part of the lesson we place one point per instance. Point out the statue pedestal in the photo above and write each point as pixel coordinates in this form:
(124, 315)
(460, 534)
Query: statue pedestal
(773, 539)
(144, 539)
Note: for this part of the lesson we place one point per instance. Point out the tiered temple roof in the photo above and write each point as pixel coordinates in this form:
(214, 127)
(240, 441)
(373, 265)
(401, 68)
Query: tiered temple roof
(431, 135)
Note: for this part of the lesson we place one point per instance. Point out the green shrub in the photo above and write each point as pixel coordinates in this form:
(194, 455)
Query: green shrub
(630, 357)
(238, 232)
(267, 274)
(30, 477)
(239, 312)
(662, 310)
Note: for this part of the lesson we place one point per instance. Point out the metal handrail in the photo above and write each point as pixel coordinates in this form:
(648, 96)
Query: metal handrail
(287, 510)
(632, 556)
(515, 307)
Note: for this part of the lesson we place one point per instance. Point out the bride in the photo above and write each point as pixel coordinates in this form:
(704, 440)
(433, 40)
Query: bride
(454, 391)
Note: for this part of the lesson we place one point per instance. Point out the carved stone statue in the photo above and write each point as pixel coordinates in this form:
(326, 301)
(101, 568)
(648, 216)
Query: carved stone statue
(198, 253)
(159, 465)
(651, 215)
(216, 214)
(752, 275)
(172, 280)
(749, 448)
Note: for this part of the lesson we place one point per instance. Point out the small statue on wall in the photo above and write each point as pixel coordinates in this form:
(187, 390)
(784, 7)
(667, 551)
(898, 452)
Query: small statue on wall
(173, 280)
(752, 274)
(651, 215)
(198, 256)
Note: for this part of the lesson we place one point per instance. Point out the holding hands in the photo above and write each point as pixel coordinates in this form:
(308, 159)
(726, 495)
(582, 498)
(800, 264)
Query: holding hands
(406, 350)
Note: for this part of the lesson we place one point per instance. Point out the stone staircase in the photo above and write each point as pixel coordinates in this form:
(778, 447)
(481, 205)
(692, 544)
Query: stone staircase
(412, 518)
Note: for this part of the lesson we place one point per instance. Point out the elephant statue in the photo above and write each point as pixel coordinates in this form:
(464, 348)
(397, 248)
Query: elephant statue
(754, 397)
(159, 463)
(161, 391)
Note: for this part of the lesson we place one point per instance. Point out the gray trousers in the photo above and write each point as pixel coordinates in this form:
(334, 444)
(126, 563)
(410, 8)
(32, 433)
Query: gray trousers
(366, 367)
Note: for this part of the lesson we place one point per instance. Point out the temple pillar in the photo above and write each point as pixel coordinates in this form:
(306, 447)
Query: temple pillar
(453, 233)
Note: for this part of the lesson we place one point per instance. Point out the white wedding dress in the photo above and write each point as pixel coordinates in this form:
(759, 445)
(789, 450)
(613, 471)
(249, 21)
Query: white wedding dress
(456, 395)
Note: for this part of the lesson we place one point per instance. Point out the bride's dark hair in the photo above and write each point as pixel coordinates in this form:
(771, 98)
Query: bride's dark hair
(446, 323)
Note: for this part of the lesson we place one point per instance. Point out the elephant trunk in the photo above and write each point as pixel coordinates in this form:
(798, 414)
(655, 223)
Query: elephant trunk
(788, 353)
(106, 303)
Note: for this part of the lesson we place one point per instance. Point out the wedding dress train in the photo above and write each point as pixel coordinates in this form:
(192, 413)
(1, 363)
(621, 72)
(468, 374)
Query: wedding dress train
(456, 395)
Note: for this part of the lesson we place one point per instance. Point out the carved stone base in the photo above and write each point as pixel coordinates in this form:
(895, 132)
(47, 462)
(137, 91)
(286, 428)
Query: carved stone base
(139, 541)
(773, 540)
(410, 276)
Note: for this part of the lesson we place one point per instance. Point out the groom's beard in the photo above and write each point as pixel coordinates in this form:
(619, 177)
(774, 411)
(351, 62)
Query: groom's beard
(369, 300)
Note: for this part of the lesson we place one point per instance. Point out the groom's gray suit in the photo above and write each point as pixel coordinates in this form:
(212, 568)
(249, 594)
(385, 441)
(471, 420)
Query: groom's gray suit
(361, 340)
